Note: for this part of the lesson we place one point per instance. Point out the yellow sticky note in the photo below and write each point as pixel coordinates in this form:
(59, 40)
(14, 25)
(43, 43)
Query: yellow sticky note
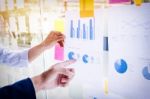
(106, 86)
(86, 8)
(59, 25)
(138, 2)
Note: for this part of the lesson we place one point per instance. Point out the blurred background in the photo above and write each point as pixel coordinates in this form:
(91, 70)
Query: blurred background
(25, 23)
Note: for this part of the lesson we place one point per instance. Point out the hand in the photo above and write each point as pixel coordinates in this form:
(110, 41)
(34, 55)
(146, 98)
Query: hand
(53, 38)
(57, 76)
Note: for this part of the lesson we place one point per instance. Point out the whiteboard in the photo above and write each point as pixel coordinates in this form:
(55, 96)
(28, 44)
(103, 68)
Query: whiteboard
(129, 54)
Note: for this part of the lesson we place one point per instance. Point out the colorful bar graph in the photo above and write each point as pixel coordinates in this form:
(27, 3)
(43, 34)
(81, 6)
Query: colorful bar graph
(82, 29)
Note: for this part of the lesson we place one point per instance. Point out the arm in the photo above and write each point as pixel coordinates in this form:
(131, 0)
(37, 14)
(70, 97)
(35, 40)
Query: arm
(57, 76)
(23, 58)
(17, 59)
(20, 90)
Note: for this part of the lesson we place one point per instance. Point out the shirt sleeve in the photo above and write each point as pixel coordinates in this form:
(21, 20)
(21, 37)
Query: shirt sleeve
(17, 59)
(23, 89)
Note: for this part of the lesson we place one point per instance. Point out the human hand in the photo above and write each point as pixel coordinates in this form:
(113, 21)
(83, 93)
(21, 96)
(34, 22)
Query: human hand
(57, 76)
(53, 38)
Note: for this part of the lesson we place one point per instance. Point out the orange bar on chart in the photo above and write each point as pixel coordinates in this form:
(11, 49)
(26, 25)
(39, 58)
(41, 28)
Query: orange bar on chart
(86, 8)
(59, 51)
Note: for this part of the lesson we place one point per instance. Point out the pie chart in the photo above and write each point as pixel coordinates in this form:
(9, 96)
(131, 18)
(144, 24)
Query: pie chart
(121, 66)
(85, 58)
(146, 73)
(70, 55)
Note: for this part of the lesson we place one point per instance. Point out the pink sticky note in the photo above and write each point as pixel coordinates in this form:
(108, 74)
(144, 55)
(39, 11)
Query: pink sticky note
(59, 52)
(118, 1)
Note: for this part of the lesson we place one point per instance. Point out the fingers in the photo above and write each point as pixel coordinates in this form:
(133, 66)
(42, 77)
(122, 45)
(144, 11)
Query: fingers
(71, 70)
(60, 67)
(65, 79)
(66, 71)
(62, 79)
(64, 84)
(60, 38)
(67, 63)
(61, 43)
(57, 34)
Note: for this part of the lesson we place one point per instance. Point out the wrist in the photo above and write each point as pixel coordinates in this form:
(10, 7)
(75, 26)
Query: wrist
(37, 83)
(43, 46)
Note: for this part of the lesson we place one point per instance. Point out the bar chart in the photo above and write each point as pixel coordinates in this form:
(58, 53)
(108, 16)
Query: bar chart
(82, 29)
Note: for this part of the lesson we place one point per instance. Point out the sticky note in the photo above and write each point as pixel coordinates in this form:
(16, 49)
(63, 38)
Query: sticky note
(59, 51)
(59, 25)
(106, 86)
(138, 2)
(118, 1)
(86, 8)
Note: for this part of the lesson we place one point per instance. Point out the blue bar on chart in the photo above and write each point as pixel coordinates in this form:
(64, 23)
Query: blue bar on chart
(91, 30)
(82, 29)
(71, 29)
(78, 29)
(105, 44)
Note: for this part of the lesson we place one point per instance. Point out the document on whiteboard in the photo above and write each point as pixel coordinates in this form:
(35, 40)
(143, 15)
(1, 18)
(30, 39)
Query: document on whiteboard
(129, 50)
